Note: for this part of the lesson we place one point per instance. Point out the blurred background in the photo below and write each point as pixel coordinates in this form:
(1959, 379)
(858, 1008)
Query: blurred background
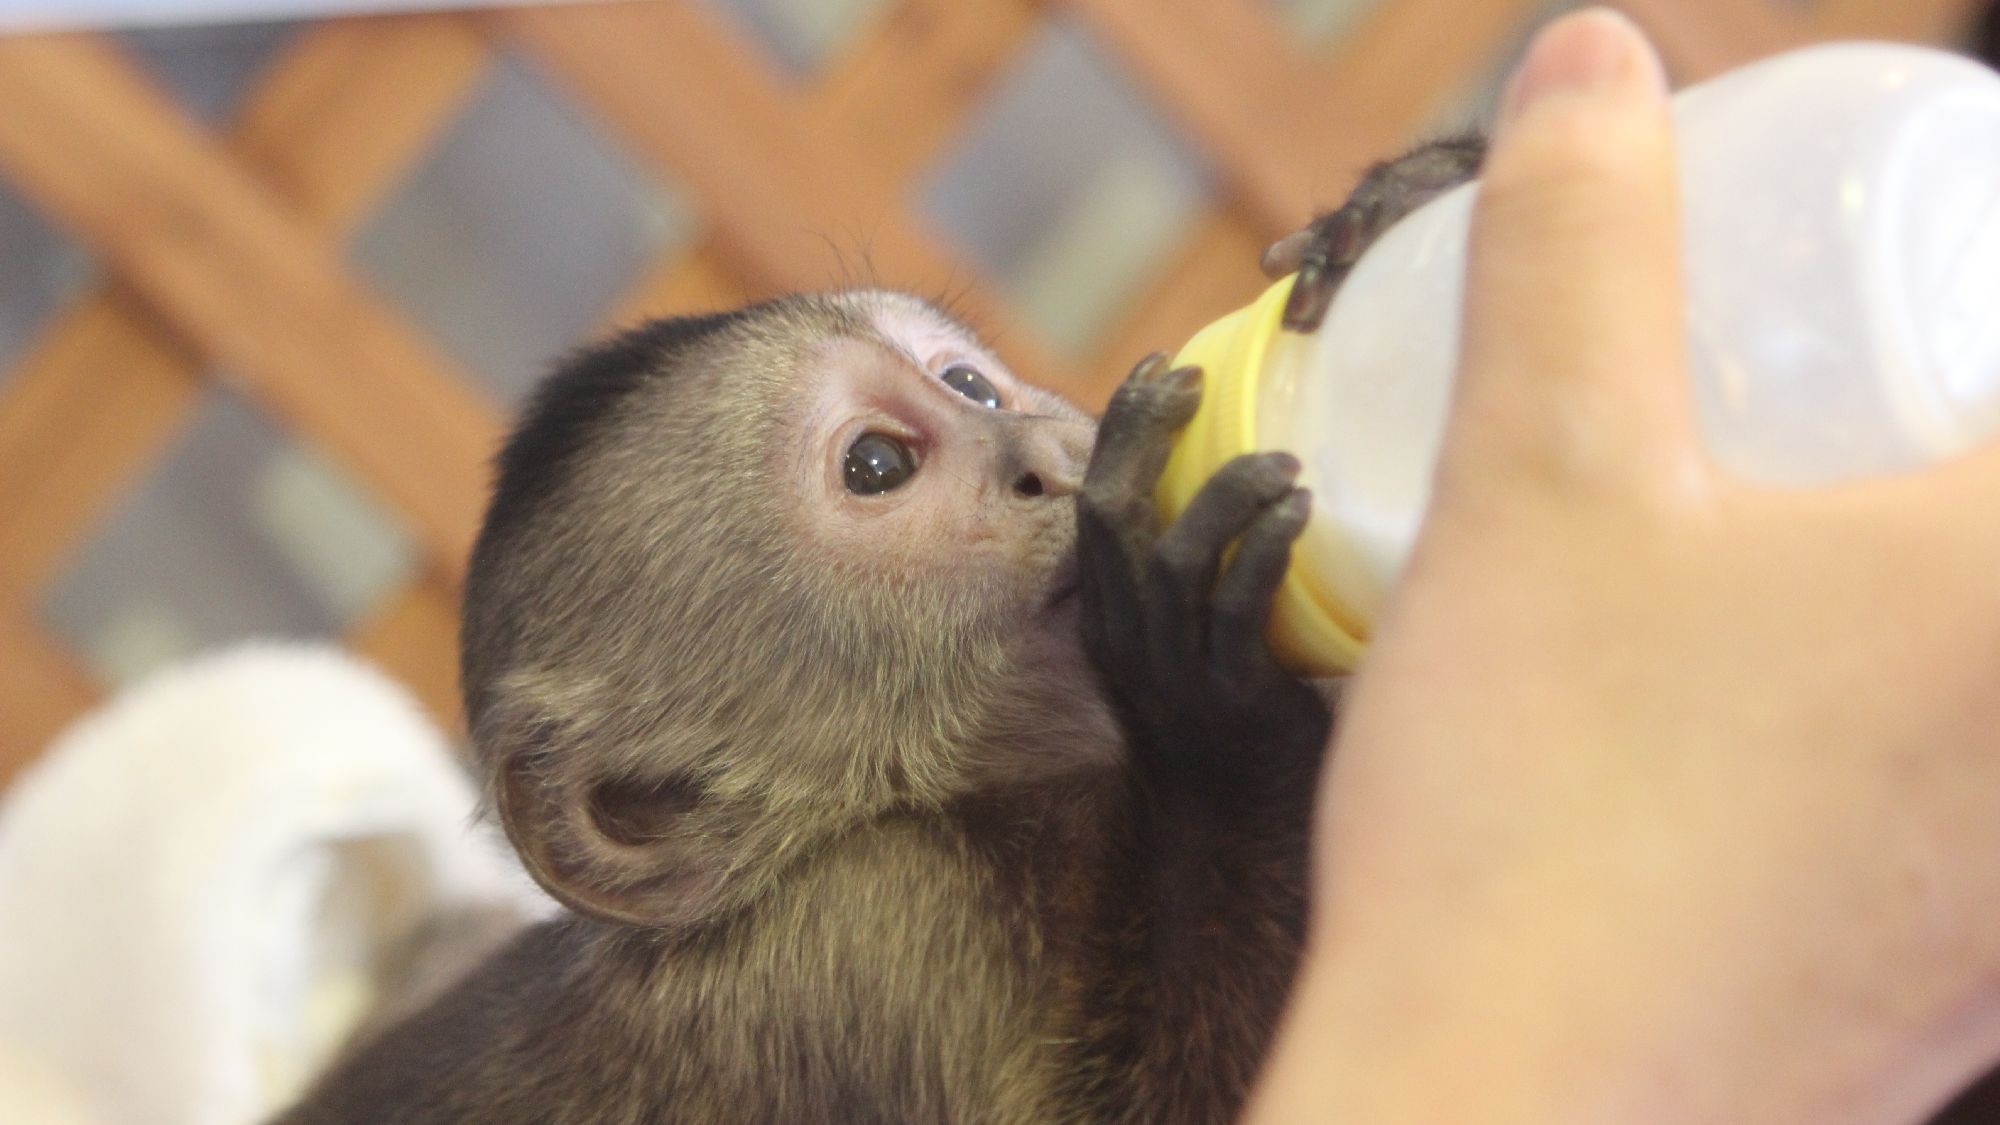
(270, 290)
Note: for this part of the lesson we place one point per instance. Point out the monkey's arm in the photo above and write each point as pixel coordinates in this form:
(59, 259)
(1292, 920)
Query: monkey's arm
(1204, 909)
(1324, 252)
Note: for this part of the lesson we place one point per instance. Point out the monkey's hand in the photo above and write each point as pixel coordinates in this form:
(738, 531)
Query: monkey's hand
(1324, 252)
(1174, 623)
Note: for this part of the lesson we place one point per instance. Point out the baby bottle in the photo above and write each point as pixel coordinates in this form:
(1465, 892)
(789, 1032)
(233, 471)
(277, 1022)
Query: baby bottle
(1841, 236)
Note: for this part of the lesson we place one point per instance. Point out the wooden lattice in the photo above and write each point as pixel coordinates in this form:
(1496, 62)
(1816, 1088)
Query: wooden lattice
(221, 253)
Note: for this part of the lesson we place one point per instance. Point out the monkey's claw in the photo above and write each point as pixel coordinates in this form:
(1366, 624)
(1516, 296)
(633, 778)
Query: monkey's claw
(1337, 242)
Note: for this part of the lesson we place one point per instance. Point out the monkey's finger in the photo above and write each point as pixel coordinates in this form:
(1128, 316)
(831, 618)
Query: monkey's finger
(1133, 442)
(1113, 629)
(1283, 256)
(1335, 245)
(1180, 578)
(1189, 554)
(1238, 651)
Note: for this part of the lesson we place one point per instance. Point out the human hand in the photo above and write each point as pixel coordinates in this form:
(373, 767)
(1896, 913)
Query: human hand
(1661, 796)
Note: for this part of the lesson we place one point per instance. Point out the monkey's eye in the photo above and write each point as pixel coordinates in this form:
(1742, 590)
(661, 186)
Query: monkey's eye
(877, 463)
(966, 380)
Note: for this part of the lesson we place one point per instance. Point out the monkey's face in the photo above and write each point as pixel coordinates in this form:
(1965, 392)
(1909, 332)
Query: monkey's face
(752, 578)
(924, 467)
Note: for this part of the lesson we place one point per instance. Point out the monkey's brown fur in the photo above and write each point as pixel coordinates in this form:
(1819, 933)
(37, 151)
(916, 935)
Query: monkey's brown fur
(844, 845)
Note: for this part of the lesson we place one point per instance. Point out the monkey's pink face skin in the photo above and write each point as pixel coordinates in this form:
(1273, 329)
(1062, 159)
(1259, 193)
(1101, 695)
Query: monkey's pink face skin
(924, 460)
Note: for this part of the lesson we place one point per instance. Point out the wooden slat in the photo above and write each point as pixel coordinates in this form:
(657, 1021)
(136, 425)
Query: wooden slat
(414, 638)
(901, 93)
(1703, 38)
(1936, 21)
(1227, 74)
(245, 283)
(41, 691)
(721, 129)
(87, 414)
(346, 112)
(1289, 134)
(1392, 73)
(896, 96)
(693, 283)
(786, 207)
(1213, 272)
(108, 386)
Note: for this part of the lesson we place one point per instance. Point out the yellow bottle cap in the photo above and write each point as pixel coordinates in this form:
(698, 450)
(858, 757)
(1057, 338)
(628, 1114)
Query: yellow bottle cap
(1312, 632)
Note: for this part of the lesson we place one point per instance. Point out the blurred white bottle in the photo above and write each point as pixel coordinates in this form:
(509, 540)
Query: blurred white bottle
(1841, 235)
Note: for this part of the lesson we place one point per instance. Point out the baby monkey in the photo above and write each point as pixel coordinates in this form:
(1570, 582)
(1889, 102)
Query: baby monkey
(892, 763)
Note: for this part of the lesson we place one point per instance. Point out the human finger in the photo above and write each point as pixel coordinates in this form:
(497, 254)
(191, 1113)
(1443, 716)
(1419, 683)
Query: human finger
(1573, 358)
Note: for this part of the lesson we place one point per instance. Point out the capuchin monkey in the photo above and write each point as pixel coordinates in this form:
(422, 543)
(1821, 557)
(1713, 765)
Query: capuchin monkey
(892, 762)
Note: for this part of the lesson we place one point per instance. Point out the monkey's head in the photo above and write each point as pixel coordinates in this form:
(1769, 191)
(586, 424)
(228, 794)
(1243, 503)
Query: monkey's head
(755, 579)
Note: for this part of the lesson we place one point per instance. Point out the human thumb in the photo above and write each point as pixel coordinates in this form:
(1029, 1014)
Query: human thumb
(1573, 363)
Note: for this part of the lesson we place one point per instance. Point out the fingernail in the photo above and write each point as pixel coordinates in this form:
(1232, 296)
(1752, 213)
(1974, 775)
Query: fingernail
(1589, 51)
(1299, 503)
(1285, 463)
(1306, 304)
(1185, 378)
(1283, 256)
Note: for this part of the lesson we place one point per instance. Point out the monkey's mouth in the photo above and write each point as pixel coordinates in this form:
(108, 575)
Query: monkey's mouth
(1068, 581)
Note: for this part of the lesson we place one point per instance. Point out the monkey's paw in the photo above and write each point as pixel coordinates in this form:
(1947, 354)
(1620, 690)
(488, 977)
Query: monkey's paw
(1173, 621)
(1324, 252)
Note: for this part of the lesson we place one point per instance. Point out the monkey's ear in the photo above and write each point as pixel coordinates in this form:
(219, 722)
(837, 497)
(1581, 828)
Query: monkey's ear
(612, 848)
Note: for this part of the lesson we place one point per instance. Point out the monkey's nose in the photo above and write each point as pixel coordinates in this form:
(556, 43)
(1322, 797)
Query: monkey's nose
(1050, 456)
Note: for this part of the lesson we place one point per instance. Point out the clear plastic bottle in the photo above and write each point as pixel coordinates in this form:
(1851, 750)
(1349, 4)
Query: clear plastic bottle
(1841, 232)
